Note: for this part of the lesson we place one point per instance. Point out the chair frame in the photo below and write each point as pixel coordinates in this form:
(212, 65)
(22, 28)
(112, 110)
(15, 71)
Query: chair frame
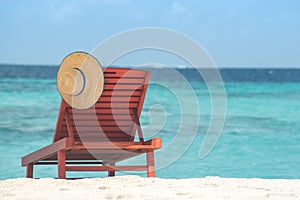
(57, 152)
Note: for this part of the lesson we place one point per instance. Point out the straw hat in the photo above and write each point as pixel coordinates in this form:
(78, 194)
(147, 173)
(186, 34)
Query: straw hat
(80, 80)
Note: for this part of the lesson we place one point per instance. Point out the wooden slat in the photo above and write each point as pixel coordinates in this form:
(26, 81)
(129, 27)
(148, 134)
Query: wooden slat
(101, 111)
(117, 87)
(123, 145)
(116, 105)
(103, 135)
(69, 163)
(124, 75)
(106, 168)
(102, 123)
(124, 80)
(95, 134)
(118, 99)
(96, 129)
(108, 152)
(101, 139)
(101, 117)
(110, 72)
(110, 134)
(116, 154)
(124, 93)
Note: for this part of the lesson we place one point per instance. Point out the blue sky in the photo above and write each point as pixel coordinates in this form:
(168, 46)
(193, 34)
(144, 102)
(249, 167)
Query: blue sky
(234, 32)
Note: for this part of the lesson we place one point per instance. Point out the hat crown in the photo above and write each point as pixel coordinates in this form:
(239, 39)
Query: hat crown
(72, 82)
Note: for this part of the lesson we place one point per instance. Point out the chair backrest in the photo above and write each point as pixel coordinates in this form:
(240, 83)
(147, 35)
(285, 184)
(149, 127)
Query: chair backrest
(112, 117)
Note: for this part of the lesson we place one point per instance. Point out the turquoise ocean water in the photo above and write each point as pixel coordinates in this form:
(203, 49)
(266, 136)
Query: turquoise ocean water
(261, 136)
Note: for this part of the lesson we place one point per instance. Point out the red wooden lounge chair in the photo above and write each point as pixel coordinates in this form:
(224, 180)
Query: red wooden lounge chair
(104, 134)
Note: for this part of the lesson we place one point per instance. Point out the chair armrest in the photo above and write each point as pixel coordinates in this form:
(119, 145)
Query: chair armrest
(155, 143)
(46, 151)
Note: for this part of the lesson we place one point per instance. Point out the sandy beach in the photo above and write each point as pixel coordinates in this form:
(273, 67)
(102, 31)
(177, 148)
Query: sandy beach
(135, 187)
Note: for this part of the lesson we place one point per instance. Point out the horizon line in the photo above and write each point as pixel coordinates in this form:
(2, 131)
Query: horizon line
(173, 66)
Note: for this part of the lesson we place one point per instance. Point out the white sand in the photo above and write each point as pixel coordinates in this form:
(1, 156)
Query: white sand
(134, 187)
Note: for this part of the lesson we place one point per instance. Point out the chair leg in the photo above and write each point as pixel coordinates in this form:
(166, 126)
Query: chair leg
(150, 164)
(61, 159)
(29, 170)
(111, 173)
